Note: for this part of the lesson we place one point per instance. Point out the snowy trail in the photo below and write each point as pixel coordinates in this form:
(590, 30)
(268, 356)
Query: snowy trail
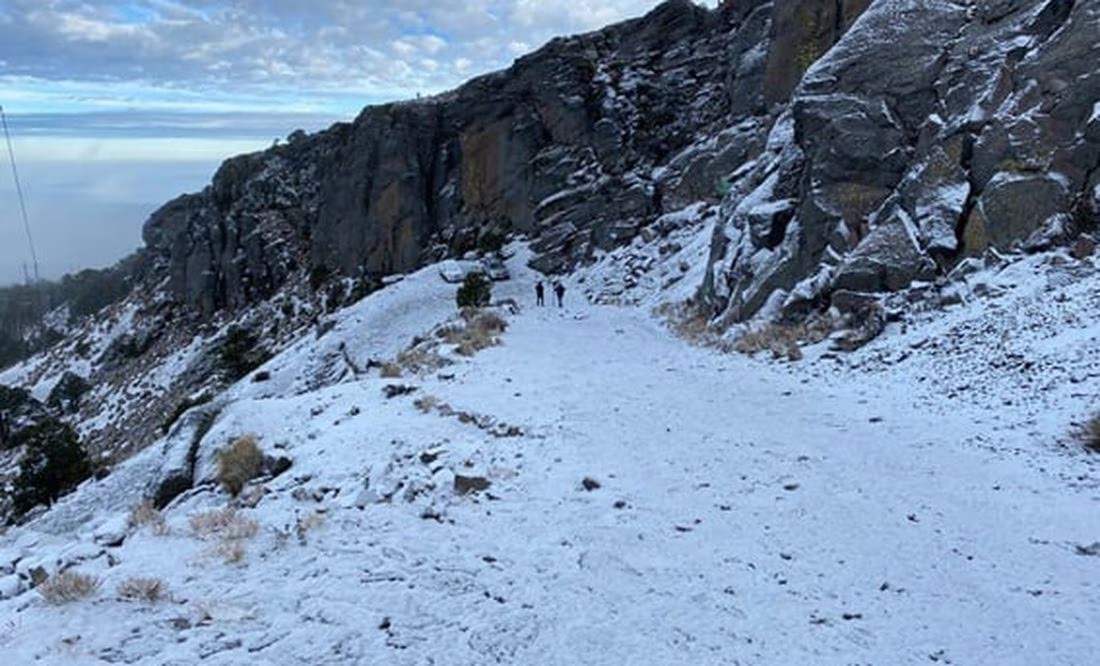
(789, 507)
(745, 514)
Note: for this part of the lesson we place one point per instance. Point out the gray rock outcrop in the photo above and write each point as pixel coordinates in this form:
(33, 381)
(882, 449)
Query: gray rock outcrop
(579, 145)
(854, 145)
(931, 131)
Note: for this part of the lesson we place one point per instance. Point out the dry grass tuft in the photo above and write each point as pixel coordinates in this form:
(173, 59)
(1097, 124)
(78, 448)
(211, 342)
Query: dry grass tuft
(225, 523)
(390, 370)
(488, 323)
(66, 586)
(1089, 434)
(783, 339)
(692, 322)
(483, 329)
(142, 589)
(231, 551)
(426, 403)
(689, 321)
(146, 514)
(239, 463)
(307, 523)
(423, 357)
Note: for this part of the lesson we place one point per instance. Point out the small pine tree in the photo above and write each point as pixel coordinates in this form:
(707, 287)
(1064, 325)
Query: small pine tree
(16, 404)
(239, 353)
(67, 393)
(475, 292)
(53, 464)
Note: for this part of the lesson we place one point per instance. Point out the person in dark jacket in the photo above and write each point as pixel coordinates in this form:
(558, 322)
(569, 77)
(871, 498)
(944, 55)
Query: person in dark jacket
(539, 291)
(559, 291)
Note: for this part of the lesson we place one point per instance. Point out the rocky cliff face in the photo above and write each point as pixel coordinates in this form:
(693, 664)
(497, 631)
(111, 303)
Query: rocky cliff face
(579, 145)
(854, 145)
(932, 131)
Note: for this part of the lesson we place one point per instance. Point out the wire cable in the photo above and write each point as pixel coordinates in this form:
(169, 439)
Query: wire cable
(19, 193)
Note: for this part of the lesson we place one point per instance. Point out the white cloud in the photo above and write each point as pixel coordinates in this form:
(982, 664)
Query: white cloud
(282, 47)
(147, 83)
(432, 44)
(58, 149)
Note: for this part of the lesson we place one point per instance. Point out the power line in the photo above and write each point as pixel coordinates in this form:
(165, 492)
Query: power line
(19, 193)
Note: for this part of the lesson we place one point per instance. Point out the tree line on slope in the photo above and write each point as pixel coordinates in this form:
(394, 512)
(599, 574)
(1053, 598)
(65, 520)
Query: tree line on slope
(52, 462)
(24, 308)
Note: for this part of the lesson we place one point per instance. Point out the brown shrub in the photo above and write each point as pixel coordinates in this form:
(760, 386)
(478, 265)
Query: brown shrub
(689, 320)
(142, 589)
(146, 514)
(231, 551)
(239, 463)
(482, 330)
(421, 358)
(487, 323)
(426, 403)
(66, 586)
(783, 339)
(225, 523)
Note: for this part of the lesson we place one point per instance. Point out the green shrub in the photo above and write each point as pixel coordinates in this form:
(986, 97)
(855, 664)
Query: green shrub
(14, 399)
(16, 406)
(53, 464)
(66, 395)
(239, 355)
(492, 240)
(722, 187)
(475, 292)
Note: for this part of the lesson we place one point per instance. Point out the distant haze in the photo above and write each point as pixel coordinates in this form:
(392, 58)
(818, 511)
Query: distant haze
(120, 105)
(86, 213)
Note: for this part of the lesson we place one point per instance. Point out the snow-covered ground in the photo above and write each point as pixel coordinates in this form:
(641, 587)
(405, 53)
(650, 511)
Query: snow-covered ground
(660, 504)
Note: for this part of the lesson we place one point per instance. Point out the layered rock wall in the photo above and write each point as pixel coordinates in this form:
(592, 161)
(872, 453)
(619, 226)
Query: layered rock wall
(933, 130)
(562, 146)
(854, 145)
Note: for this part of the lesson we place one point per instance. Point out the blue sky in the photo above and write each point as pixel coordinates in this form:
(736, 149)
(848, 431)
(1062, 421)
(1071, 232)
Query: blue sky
(116, 107)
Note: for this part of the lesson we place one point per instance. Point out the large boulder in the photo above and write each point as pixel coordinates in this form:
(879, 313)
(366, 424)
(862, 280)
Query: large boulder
(889, 259)
(1012, 208)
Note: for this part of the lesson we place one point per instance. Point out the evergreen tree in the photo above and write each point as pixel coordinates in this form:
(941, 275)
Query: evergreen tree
(53, 464)
(475, 292)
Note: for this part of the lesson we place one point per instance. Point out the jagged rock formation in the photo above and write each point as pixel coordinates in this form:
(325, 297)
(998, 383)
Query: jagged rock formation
(932, 131)
(922, 132)
(579, 145)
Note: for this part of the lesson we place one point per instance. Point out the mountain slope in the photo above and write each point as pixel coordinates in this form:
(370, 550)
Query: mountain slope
(745, 512)
(826, 148)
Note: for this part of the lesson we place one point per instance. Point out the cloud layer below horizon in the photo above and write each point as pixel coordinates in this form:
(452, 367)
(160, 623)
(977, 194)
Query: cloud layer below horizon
(94, 90)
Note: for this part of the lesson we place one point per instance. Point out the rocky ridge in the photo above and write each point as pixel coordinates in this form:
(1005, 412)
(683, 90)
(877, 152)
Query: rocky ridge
(849, 151)
(580, 145)
(932, 131)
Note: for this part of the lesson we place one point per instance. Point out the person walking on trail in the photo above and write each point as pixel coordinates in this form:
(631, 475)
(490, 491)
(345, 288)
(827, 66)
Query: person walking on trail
(539, 292)
(559, 291)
